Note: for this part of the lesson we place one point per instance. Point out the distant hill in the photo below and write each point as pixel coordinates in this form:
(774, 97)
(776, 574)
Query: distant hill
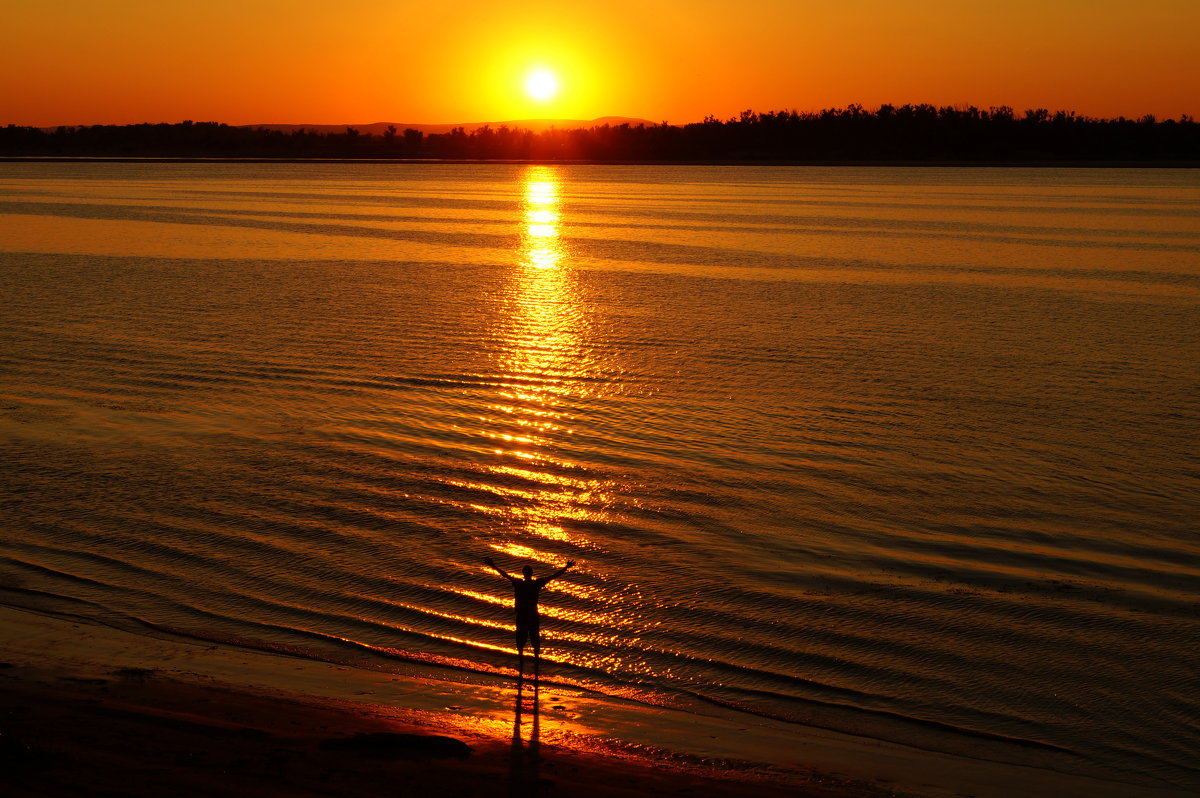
(536, 125)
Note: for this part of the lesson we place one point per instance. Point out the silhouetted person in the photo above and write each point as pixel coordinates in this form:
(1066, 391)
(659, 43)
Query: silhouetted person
(525, 592)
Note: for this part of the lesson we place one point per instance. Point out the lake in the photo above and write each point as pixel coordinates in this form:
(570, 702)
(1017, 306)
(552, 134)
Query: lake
(908, 453)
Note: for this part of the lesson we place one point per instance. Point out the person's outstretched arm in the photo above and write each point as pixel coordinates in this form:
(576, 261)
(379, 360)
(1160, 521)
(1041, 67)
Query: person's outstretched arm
(499, 570)
(557, 573)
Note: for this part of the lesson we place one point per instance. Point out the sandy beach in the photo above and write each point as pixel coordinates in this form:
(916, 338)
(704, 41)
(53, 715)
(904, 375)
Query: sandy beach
(87, 709)
(90, 710)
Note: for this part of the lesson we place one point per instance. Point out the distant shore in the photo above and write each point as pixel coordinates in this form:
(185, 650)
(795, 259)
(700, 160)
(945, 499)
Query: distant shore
(582, 162)
(853, 134)
(91, 709)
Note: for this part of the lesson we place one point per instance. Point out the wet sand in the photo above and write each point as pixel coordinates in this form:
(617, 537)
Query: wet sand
(87, 709)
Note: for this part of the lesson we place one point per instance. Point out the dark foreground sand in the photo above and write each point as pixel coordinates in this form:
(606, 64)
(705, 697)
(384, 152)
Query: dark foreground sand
(89, 710)
(128, 737)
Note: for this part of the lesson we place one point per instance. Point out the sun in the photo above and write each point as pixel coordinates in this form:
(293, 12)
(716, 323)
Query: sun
(541, 85)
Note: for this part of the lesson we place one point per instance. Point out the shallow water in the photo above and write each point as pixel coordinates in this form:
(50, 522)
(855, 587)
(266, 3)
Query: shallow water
(908, 453)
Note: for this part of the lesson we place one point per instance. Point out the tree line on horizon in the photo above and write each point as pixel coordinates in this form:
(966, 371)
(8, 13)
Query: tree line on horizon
(889, 133)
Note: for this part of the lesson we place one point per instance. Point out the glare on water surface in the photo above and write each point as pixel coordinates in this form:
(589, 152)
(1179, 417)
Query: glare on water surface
(541, 358)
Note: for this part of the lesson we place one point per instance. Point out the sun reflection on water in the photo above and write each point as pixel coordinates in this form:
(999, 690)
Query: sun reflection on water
(541, 361)
(536, 487)
(540, 244)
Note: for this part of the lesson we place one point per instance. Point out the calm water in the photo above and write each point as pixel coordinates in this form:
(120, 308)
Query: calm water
(906, 453)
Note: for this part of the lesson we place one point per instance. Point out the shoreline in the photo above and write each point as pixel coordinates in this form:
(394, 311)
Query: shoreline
(1020, 164)
(83, 706)
(73, 691)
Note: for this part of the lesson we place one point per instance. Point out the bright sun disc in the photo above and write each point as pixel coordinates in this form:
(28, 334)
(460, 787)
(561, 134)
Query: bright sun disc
(541, 85)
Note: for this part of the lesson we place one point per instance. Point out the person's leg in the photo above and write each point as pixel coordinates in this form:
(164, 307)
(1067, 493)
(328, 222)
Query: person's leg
(535, 633)
(522, 636)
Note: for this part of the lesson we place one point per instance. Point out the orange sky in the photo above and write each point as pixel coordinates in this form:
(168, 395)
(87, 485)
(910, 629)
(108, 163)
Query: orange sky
(360, 61)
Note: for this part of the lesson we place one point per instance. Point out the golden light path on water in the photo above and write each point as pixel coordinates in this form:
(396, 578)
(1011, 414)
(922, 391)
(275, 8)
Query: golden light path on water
(540, 361)
(533, 483)
(541, 356)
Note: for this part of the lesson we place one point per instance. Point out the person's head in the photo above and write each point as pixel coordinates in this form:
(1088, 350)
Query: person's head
(528, 571)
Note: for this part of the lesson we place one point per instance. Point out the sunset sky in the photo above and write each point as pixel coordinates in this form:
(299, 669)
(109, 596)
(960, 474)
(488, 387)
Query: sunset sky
(361, 61)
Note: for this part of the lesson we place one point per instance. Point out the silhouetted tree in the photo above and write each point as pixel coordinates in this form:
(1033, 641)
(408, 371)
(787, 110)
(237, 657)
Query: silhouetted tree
(891, 133)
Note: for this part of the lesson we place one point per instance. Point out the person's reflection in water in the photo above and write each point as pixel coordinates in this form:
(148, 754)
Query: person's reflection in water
(525, 591)
(524, 779)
